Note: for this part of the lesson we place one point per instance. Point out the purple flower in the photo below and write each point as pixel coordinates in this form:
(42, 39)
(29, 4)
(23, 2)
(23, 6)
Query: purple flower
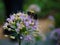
(28, 37)
(17, 24)
(17, 30)
(12, 17)
(55, 34)
(9, 20)
(51, 18)
(6, 24)
(34, 28)
(27, 23)
(22, 18)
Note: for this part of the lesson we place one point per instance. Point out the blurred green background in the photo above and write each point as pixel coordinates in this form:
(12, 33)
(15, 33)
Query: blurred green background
(2, 12)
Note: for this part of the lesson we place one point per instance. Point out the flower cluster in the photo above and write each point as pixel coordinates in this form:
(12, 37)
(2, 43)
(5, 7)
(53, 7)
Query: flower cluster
(20, 24)
(55, 35)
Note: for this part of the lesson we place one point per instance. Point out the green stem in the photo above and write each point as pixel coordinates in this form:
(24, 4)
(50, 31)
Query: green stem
(19, 40)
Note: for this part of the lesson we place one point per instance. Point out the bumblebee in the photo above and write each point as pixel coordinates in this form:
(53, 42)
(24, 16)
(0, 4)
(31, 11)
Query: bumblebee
(32, 14)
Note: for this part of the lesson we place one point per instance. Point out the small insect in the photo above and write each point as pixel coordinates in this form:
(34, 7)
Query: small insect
(32, 14)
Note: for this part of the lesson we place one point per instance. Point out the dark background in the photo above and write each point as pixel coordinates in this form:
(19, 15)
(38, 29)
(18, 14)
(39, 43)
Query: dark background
(13, 6)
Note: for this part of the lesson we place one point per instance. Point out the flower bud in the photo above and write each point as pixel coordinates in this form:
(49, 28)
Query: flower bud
(6, 35)
(12, 37)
